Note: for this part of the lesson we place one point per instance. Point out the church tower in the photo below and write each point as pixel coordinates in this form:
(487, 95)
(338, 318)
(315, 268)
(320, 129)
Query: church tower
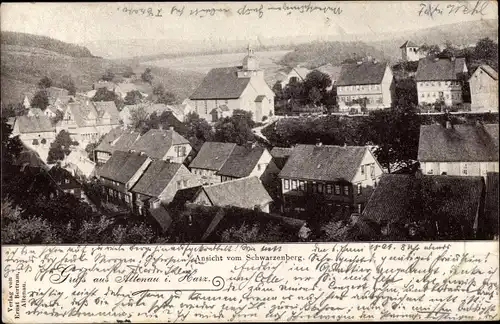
(250, 65)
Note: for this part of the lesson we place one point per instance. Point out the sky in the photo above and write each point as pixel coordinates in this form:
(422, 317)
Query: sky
(86, 22)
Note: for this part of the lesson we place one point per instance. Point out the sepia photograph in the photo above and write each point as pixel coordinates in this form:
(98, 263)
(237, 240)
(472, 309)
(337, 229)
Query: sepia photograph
(215, 162)
(135, 124)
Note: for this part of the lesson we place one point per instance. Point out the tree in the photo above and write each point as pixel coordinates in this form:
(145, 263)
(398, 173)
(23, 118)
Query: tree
(61, 147)
(147, 76)
(166, 98)
(159, 90)
(45, 83)
(13, 110)
(11, 146)
(200, 130)
(104, 94)
(235, 129)
(128, 73)
(108, 76)
(58, 117)
(139, 118)
(133, 97)
(40, 100)
(68, 84)
(315, 97)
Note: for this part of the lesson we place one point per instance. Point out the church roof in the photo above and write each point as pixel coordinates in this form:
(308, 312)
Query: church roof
(221, 83)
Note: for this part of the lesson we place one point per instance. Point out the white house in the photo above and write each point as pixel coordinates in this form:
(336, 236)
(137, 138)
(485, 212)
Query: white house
(410, 52)
(484, 89)
(439, 79)
(369, 81)
(242, 87)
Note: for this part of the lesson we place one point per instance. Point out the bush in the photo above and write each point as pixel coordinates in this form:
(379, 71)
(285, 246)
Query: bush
(43, 141)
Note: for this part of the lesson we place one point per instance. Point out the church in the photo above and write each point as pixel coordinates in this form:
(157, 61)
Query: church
(241, 87)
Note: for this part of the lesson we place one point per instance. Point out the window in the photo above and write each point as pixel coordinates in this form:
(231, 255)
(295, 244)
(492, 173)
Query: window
(439, 84)
(259, 167)
(328, 188)
(362, 170)
(302, 186)
(294, 184)
(320, 187)
(464, 169)
(423, 95)
(127, 198)
(314, 187)
(206, 107)
(287, 184)
(432, 84)
(434, 94)
(185, 183)
(372, 171)
(359, 189)
(179, 184)
(337, 189)
(66, 180)
(360, 208)
(375, 184)
(346, 190)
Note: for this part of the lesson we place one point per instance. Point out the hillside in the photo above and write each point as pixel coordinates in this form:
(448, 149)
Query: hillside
(43, 42)
(319, 53)
(23, 66)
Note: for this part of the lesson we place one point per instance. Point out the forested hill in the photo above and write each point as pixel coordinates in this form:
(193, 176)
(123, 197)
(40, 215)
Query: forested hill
(318, 53)
(47, 43)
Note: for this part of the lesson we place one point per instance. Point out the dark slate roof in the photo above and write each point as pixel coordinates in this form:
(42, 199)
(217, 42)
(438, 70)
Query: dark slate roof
(106, 144)
(461, 143)
(126, 140)
(364, 73)
(326, 162)
(162, 217)
(212, 156)
(156, 142)
(156, 178)
(184, 196)
(260, 98)
(35, 124)
(430, 69)
(221, 83)
(241, 162)
(390, 200)
(243, 193)
(121, 166)
(409, 44)
(29, 157)
(281, 152)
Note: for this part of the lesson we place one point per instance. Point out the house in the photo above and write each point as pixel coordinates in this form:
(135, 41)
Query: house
(110, 86)
(439, 79)
(219, 162)
(181, 110)
(33, 112)
(292, 75)
(372, 82)
(240, 87)
(333, 71)
(167, 145)
(465, 150)
(51, 111)
(87, 121)
(159, 183)
(120, 173)
(484, 89)
(35, 130)
(339, 176)
(27, 100)
(247, 193)
(452, 206)
(117, 139)
(66, 181)
(410, 52)
(149, 108)
(209, 160)
(280, 155)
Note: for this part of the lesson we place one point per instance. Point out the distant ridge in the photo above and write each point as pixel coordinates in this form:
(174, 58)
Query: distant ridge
(44, 42)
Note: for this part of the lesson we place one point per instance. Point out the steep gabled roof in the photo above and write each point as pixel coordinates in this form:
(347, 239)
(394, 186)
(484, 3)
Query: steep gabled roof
(244, 193)
(488, 70)
(156, 142)
(122, 166)
(333, 71)
(221, 83)
(390, 200)
(185, 195)
(109, 107)
(408, 44)
(461, 143)
(106, 144)
(212, 156)
(281, 152)
(326, 162)
(35, 124)
(156, 178)
(442, 69)
(241, 162)
(364, 73)
(162, 217)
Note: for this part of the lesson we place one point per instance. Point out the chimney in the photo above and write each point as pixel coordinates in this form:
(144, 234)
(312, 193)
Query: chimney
(171, 128)
(318, 142)
(448, 124)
